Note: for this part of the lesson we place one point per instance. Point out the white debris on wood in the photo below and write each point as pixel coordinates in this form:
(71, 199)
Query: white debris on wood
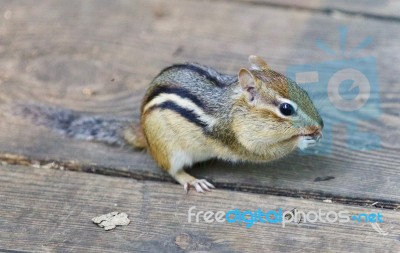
(327, 201)
(111, 220)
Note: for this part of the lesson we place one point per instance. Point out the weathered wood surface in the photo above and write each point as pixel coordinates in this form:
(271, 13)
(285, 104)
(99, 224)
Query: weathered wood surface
(385, 10)
(45, 210)
(51, 51)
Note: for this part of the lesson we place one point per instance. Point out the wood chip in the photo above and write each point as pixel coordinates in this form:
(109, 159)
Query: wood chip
(111, 220)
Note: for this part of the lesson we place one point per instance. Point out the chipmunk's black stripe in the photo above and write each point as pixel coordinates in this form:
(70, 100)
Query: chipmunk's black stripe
(196, 69)
(186, 113)
(183, 93)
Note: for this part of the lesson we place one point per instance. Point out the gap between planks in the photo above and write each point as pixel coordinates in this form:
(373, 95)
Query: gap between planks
(328, 10)
(11, 159)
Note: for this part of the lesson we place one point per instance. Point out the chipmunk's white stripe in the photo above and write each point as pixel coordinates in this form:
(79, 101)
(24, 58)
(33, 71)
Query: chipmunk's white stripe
(184, 103)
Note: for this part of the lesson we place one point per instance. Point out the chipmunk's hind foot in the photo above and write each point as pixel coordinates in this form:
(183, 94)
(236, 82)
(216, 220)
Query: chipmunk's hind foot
(201, 186)
(188, 182)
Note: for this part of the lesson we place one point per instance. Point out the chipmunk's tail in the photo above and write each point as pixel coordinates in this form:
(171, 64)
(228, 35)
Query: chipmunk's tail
(116, 132)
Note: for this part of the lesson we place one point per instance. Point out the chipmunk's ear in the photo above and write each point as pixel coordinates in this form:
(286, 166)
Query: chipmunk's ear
(257, 63)
(248, 83)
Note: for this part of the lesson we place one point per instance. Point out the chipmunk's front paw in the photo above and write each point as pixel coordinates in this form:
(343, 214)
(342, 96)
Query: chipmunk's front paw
(201, 185)
(306, 142)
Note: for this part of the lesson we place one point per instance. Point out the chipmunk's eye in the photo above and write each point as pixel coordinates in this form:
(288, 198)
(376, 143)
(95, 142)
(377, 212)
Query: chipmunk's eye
(286, 109)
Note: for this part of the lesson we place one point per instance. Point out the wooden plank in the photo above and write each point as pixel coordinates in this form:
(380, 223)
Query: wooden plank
(51, 51)
(385, 10)
(50, 211)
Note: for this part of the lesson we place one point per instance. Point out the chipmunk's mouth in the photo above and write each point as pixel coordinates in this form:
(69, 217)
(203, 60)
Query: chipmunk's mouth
(308, 139)
(317, 135)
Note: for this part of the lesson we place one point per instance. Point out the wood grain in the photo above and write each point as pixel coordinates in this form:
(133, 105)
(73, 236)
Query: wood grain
(50, 211)
(51, 51)
(384, 10)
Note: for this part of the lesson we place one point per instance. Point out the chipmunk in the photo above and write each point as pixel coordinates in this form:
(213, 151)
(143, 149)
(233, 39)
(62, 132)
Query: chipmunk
(192, 113)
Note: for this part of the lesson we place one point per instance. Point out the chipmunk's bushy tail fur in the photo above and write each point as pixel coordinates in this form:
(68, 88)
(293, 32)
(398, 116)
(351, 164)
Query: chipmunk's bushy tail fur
(116, 132)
